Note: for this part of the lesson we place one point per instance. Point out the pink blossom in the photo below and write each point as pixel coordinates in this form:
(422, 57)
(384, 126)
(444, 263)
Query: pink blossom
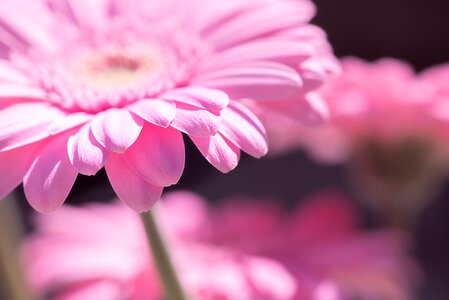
(238, 250)
(100, 252)
(115, 83)
(385, 100)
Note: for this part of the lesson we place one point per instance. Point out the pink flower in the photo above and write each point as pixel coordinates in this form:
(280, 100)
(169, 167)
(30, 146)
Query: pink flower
(322, 246)
(115, 83)
(384, 100)
(107, 257)
(239, 250)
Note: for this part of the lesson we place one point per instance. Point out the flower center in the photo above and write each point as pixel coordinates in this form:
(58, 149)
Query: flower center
(95, 74)
(116, 70)
(118, 67)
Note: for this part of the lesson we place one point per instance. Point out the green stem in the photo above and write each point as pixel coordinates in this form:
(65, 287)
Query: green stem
(11, 233)
(172, 286)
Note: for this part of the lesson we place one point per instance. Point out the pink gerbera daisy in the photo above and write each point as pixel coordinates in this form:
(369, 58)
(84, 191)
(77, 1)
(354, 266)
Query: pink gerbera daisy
(237, 250)
(115, 83)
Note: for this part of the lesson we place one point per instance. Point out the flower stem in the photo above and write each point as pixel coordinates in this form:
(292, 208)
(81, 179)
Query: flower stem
(13, 286)
(172, 286)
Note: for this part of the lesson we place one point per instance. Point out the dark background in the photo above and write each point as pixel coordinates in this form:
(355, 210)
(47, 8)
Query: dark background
(412, 30)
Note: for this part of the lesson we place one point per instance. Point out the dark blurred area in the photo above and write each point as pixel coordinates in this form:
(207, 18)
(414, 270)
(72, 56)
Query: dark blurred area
(412, 30)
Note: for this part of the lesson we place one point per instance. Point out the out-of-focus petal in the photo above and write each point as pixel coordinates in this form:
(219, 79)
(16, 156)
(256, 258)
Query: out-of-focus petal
(14, 165)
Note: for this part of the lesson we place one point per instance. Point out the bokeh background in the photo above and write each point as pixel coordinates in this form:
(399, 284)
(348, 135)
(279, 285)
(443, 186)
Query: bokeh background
(412, 30)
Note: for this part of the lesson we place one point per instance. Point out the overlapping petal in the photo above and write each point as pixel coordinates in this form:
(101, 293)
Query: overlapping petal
(132, 189)
(116, 129)
(256, 80)
(221, 153)
(14, 165)
(50, 177)
(157, 156)
(25, 123)
(85, 153)
(244, 130)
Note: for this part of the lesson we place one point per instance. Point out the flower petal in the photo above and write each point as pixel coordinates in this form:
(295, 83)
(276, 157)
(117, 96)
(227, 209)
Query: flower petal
(28, 21)
(10, 74)
(13, 90)
(270, 17)
(256, 80)
(67, 122)
(86, 155)
(129, 187)
(51, 176)
(244, 130)
(222, 154)
(92, 14)
(14, 165)
(310, 111)
(116, 129)
(284, 51)
(25, 123)
(196, 122)
(158, 155)
(155, 111)
(210, 99)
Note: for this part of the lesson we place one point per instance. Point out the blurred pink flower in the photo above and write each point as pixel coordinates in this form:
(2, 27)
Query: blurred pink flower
(115, 83)
(384, 100)
(237, 250)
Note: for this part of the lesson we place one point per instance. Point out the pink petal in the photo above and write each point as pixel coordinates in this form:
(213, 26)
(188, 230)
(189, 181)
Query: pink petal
(284, 51)
(85, 153)
(195, 122)
(261, 272)
(13, 166)
(51, 176)
(130, 188)
(210, 99)
(91, 290)
(93, 14)
(222, 154)
(313, 73)
(255, 80)
(273, 17)
(10, 74)
(29, 21)
(155, 111)
(206, 21)
(325, 216)
(12, 90)
(244, 130)
(116, 129)
(25, 123)
(312, 110)
(68, 122)
(157, 156)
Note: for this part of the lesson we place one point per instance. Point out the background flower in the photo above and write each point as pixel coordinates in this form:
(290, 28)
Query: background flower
(237, 250)
(384, 100)
(388, 126)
